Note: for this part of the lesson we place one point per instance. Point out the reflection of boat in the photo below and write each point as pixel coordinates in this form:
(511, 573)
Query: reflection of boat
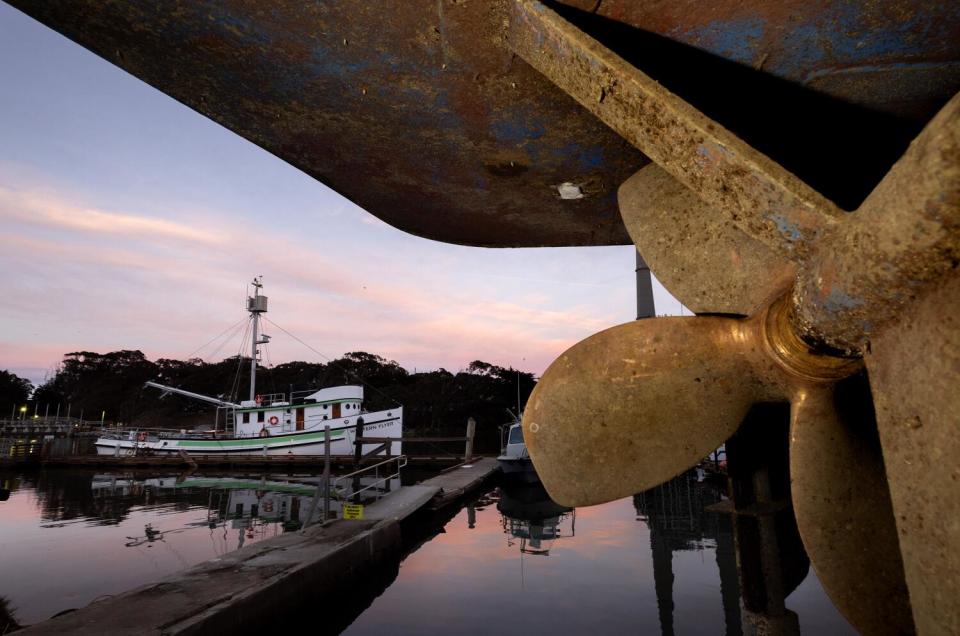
(515, 461)
(246, 501)
(274, 424)
(531, 516)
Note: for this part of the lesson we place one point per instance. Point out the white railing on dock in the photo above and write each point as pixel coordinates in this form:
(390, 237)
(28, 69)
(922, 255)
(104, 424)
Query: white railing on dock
(401, 461)
(44, 425)
(326, 487)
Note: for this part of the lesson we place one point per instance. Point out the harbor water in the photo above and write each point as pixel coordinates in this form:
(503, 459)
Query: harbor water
(655, 563)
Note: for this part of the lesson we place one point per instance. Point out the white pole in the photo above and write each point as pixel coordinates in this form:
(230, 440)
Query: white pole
(253, 354)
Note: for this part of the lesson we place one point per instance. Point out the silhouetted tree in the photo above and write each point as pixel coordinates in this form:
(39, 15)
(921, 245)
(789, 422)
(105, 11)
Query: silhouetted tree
(14, 392)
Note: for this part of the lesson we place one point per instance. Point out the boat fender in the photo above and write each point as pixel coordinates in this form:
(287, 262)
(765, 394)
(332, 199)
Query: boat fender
(273, 420)
(264, 432)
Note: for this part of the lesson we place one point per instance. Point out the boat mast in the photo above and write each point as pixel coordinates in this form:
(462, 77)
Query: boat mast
(256, 305)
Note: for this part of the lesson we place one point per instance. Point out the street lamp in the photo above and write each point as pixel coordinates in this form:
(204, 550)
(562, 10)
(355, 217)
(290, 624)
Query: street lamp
(23, 412)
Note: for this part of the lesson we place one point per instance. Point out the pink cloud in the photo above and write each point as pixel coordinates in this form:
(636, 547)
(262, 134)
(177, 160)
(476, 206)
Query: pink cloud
(161, 289)
(40, 208)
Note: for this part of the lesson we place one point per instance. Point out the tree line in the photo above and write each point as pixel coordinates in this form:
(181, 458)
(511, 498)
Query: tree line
(433, 401)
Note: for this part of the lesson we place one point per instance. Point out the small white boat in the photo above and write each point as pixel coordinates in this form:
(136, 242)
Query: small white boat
(515, 462)
(274, 424)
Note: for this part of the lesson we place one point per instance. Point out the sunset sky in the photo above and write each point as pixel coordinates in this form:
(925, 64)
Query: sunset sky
(132, 222)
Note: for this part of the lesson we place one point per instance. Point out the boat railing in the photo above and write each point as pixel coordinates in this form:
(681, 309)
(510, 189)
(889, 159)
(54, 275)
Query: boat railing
(266, 399)
(154, 432)
(299, 397)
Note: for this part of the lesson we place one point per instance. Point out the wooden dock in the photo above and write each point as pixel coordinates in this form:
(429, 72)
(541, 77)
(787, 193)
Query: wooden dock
(37, 453)
(252, 589)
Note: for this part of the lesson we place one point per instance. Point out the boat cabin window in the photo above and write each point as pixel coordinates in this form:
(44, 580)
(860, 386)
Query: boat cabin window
(261, 415)
(516, 435)
(246, 418)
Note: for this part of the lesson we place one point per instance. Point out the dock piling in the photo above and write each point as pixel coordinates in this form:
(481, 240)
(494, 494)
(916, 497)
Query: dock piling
(471, 430)
(326, 473)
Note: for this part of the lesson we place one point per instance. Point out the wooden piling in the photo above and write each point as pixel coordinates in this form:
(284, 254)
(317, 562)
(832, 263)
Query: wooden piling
(358, 443)
(471, 430)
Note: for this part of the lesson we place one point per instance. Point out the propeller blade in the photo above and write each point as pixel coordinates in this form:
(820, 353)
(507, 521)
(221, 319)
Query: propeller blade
(913, 376)
(634, 405)
(842, 505)
(697, 253)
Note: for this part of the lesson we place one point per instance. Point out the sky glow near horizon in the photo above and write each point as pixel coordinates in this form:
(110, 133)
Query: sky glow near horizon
(132, 222)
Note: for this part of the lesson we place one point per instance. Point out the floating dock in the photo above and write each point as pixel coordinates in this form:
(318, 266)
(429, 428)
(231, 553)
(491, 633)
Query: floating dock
(254, 587)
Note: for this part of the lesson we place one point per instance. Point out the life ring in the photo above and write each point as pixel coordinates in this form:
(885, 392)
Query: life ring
(142, 437)
(273, 420)
(264, 432)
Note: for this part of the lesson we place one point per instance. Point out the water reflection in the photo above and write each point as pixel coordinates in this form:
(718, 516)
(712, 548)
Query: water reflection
(532, 519)
(676, 515)
(678, 559)
(75, 535)
(664, 561)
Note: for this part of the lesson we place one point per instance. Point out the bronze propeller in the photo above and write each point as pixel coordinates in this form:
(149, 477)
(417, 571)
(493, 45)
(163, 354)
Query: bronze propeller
(818, 295)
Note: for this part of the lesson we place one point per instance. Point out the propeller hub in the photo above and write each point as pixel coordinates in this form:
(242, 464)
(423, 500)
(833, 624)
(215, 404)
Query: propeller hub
(796, 356)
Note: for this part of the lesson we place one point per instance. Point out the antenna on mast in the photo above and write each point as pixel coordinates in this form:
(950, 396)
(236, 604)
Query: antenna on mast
(256, 305)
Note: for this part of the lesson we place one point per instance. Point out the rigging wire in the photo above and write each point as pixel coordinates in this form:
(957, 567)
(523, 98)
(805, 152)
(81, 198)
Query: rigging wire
(227, 340)
(268, 368)
(235, 326)
(235, 385)
(342, 368)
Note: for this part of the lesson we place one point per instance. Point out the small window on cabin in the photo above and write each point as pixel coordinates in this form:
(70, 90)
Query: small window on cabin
(516, 435)
(261, 415)
(246, 418)
(325, 406)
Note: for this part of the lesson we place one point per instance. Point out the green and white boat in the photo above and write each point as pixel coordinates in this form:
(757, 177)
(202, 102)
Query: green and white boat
(269, 424)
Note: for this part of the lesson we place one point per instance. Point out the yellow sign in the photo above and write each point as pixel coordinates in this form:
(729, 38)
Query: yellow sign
(352, 511)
